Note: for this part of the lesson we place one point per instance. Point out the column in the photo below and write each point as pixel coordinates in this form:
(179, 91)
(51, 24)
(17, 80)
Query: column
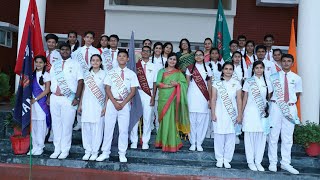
(308, 58)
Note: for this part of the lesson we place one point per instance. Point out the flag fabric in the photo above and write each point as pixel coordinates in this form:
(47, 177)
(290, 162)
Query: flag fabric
(293, 51)
(221, 34)
(136, 106)
(31, 44)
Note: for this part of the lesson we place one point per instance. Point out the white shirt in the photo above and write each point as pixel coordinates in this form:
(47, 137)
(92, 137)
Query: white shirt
(130, 80)
(251, 116)
(270, 68)
(54, 56)
(196, 101)
(72, 73)
(242, 50)
(238, 70)
(294, 85)
(37, 112)
(159, 62)
(214, 68)
(91, 51)
(249, 68)
(114, 58)
(270, 54)
(277, 65)
(151, 73)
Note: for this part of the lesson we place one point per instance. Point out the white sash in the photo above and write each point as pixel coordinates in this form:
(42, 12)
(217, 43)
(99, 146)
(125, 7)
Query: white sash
(235, 76)
(118, 82)
(89, 81)
(223, 93)
(278, 91)
(107, 59)
(261, 104)
(62, 83)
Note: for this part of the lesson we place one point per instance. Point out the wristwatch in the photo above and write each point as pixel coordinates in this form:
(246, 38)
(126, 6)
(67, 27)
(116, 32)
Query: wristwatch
(36, 99)
(77, 98)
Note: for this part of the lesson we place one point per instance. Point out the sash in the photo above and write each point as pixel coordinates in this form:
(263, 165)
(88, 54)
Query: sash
(223, 93)
(142, 78)
(118, 82)
(277, 67)
(89, 81)
(107, 59)
(62, 83)
(199, 81)
(235, 76)
(36, 91)
(261, 104)
(248, 61)
(284, 107)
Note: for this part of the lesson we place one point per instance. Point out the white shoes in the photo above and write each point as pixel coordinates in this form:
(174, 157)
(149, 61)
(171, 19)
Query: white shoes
(77, 127)
(290, 169)
(102, 157)
(219, 164)
(237, 140)
(260, 167)
(252, 167)
(226, 165)
(145, 146)
(199, 148)
(86, 157)
(63, 155)
(54, 155)
(93, 157)
(192, 147)
(123, 158)
(273, 168)
(134, 145)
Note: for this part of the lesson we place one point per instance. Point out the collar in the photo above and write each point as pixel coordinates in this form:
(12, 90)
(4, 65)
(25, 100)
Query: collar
(119, 68)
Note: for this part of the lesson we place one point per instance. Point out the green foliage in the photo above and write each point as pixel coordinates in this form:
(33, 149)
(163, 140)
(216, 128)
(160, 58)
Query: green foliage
(9, 121)
(306, 134)
(4, 84)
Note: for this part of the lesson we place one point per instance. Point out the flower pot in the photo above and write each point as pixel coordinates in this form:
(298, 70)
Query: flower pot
(313, 149)
(20, 145)
(17, 131)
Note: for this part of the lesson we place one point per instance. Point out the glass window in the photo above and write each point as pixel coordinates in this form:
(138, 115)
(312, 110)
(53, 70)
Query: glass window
(2, 37)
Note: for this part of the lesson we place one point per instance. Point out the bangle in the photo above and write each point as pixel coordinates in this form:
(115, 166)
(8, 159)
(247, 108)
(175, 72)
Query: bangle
(36, 99)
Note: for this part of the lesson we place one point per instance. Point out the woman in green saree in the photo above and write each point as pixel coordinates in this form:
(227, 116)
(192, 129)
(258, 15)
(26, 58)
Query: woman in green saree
(172, 106)
(185, 55)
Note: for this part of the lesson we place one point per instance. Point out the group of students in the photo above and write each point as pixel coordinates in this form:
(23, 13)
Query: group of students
(198, 94)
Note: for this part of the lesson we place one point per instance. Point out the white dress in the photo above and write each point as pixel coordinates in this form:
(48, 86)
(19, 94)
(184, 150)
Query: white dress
(224, 124)
(37, 113)
(91, 108)
(251, 116)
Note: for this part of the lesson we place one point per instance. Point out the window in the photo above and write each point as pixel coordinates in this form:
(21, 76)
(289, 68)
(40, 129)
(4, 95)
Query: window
(5, 38)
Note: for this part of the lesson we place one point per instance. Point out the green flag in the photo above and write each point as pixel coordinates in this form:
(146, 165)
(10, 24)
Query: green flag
(221, 35)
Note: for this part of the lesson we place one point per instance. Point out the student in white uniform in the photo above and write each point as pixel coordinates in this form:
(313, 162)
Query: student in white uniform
(146, 95)
(145, 42)
(242, 44)
(41, 120)
(103, 43)
(121, 84)
(215, 65)
(226, 113)
(277, 53)
(270, 67)
(89, 107)
(257, 92)
(198, 75)
(240, 68)
(268, 41)
(159, 63)
(64, 100)
(52, 54)
(86, 52)
(249, 56)
(113, 43)
(72, 41)
(283, 113)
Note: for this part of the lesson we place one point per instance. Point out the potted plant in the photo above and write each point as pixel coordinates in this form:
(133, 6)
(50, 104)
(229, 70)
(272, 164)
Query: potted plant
(4, 86)
(308, 135)
(20, 144)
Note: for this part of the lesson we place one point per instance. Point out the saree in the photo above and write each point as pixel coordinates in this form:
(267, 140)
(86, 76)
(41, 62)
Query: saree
(185, 60)
(173, 111)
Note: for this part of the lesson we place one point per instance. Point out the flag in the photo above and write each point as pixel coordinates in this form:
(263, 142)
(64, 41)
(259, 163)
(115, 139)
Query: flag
(31, 43)
(221, 34)
(293, 51)
(136, 107)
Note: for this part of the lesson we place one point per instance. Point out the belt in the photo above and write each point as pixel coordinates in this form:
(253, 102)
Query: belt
(58, 94)
(118, 99)
(141, 88)
(290, 104)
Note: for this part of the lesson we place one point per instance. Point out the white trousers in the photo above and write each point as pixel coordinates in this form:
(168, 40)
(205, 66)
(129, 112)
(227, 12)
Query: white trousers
(123, 118)
(210, 129)
(92, 134)
(254, 143)
(38, 132)
(78, 119)
(147, 115)
(62, 113)
(155, 116)
(280, 125)
(198, 127)
(224, 145)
